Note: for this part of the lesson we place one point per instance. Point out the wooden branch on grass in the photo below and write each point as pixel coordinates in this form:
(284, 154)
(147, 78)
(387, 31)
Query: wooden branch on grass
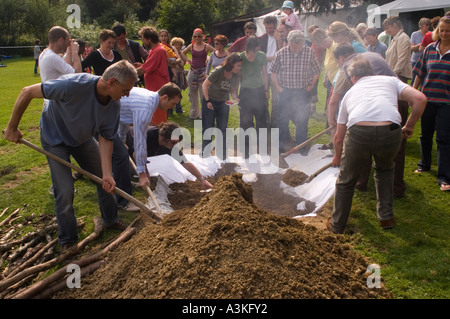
(38, 287)
(4, 284)
(7, 219)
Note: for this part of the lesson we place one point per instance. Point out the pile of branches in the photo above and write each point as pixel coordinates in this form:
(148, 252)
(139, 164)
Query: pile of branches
(25, 257)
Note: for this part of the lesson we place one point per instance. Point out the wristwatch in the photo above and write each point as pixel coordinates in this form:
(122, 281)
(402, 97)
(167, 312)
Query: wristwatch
(202, 178)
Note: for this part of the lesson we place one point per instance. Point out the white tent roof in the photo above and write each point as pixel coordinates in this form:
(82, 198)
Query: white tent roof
(398, 6)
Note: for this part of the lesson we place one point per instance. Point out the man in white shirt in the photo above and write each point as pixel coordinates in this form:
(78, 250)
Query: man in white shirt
(369, 125)
(51, 64)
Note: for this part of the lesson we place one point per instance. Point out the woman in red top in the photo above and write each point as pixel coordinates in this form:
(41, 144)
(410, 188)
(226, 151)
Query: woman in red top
(197, 73)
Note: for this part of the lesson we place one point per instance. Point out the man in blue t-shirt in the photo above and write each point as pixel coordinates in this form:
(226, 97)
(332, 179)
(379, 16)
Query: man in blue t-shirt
(80, 105)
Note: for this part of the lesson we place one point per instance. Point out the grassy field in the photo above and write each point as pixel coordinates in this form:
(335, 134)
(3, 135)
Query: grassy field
(414, 256)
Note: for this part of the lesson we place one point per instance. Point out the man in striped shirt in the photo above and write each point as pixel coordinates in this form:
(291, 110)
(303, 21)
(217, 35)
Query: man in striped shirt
(137, 110)
(295, 71)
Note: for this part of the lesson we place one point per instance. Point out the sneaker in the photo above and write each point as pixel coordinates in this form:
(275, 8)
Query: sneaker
(51, 190)
(130, 207)
(120, 225)
(387, 224)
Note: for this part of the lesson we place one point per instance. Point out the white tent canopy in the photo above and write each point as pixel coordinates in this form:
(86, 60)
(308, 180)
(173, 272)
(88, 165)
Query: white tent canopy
(399, 6)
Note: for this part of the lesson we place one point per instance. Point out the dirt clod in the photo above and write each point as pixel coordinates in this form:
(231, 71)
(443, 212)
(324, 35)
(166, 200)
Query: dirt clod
(294, 178)
(225, 247)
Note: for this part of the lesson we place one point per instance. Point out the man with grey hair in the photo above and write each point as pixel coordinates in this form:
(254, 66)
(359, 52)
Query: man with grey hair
(368, 126)
(80, 105)
(295, 71)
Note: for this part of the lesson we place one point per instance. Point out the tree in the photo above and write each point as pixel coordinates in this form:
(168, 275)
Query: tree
(181, 17)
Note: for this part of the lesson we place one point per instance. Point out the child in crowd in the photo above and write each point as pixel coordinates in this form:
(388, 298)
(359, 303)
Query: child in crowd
(292, 19)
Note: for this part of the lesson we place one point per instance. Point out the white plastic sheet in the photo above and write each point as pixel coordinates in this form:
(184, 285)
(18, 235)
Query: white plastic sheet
(319, 190)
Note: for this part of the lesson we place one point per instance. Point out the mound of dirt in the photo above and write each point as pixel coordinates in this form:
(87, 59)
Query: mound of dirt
(227, 248)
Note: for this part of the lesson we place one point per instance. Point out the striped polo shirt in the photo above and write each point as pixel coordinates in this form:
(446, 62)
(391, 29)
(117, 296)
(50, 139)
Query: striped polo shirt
(434, 69)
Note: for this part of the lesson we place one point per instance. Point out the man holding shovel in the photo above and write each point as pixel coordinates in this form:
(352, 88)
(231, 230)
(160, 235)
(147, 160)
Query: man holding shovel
(369, 125)
(80, 105)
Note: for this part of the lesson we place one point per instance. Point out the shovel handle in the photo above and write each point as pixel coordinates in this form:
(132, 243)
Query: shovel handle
(147, 188)
(311, 177)
(307, 142)
(92, 177)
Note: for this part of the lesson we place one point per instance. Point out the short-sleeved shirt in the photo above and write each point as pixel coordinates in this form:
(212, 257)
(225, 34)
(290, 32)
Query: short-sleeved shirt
(74, 114)
(251, 76)
(295, 71)
(52, 66)
(372, 99)
(137, 109)
(96, 60)
(220, 87)
(380, 67)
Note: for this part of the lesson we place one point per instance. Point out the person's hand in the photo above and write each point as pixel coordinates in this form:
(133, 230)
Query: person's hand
(336, 161)
(407, 132)
(13, 135)
(74, 47)
(210, 106)
(109, 185)
(206, 184)
(144, 180)
(267, 94)
(137, 65)
(309, 88)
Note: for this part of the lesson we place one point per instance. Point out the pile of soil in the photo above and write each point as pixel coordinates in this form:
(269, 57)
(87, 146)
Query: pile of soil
(294, 178)
(225, 247)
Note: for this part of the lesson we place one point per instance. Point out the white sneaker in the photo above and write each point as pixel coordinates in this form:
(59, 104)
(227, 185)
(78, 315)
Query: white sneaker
(130, 207)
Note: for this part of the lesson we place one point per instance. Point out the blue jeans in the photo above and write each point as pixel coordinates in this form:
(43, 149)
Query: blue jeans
(360, 144)
(436, 118)
(215, 118)
(36, 64)
(293, 105)
(88, 157)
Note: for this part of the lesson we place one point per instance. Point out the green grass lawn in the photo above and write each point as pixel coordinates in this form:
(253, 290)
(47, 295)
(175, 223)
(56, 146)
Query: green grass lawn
(414, 256)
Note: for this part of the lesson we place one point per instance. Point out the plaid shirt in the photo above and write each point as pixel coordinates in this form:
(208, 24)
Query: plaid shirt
(434, 70)
(295, 71)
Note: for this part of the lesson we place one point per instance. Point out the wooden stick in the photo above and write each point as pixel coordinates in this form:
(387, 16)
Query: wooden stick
(43, 284)
(307, 142)
(4, 284)
(147, 189)
(94, 178)
(311, 177)
(3, 212)
(7, 219)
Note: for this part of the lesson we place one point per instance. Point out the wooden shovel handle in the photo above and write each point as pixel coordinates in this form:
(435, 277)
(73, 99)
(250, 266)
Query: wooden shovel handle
(311, 177)
(92, 177)
(307, 142)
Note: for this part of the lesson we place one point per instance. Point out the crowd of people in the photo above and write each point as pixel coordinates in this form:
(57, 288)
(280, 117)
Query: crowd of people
(110, 105)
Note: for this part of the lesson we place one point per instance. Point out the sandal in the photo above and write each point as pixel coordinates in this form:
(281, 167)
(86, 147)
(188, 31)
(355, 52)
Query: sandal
(445, 187)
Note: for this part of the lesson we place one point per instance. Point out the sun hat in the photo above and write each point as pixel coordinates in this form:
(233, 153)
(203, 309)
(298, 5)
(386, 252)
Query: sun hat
(288, 5)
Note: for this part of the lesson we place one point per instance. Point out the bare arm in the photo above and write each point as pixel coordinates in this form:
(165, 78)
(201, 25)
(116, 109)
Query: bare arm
(12, 132)
(418, 102)
(194, 171)
(332, 108)
(276, 83)
(338, 144)
(106, 148)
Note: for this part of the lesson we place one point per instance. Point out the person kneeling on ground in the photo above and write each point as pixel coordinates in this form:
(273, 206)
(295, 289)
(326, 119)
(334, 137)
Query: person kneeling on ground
(160, 142)
(369, 125)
